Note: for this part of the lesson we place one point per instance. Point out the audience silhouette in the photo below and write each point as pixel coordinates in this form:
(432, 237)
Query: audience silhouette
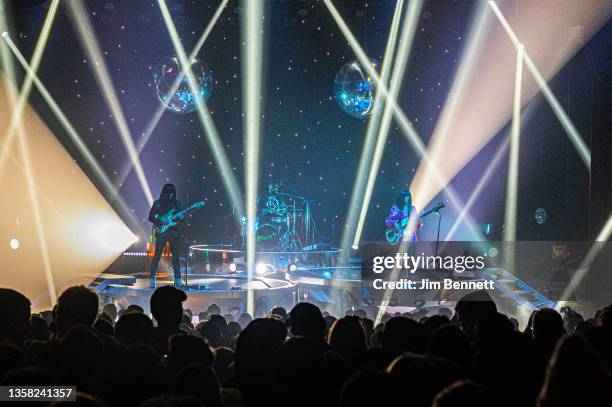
(475, 357)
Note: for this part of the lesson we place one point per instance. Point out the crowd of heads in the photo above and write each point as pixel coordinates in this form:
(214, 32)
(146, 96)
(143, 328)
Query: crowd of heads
(472, 356)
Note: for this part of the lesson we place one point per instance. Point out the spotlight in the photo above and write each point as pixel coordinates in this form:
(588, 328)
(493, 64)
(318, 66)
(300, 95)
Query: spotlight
(260, 268)
(4, 34)
(14, 242)
(232, 267)
(292, 267)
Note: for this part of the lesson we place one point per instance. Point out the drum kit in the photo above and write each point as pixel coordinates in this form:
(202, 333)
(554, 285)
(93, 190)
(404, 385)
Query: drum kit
(284, 221)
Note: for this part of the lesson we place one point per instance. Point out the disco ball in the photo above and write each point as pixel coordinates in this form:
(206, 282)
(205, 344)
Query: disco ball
(355, 89)
(540, 216)
(172, 85)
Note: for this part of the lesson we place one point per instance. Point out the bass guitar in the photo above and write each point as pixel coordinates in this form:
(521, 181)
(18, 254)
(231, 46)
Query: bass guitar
(170, 218)
(394, 234)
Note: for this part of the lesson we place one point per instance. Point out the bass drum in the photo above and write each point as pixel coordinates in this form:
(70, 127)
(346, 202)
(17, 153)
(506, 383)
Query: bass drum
(267, 237)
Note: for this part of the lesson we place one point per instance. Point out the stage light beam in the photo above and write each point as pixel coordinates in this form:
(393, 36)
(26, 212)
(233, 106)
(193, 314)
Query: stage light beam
(150, 127)
(227, 175)
(408, 32)
(486, 176)
(409, 132)
(89, 158)
(10, 82)
(26, 87)
(599, 244)
(581, 147)
(370, 139)
(252, 38)
(513, 164)
(103, 78)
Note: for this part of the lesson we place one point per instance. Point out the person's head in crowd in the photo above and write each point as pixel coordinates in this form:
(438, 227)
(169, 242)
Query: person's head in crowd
(329, 321)
(134, 308)
(604, 318)
(111, 311)
(211, 332)
(218, 320)
(280, 311)
(77, 305)
(40, 329)
(199, 380)
(258, 343)
(445, 312)
(47, 315)
(576, 376)
(244, 319)
(470, 307)
(306, 320)
(133, 327)
(417, 373)
(357, 389)
(213, 309)
(449, 342)
(465, 393)
(547, 328)
(235, 311)
(571, 319)
(348, 336)
(232, 331)
(103, 327)
(167, 306)
(435, 321)
(403, 335)
(361, 313)
(202, 316)
(14, 316)
(186, 349)
(229, 317)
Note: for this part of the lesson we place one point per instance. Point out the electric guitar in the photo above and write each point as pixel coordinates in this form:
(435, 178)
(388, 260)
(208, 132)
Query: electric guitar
(171, 217)
(394, 234)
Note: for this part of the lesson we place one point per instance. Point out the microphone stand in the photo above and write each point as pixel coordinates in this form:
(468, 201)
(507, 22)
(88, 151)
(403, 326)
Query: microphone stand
(438, 235)
(187, 236)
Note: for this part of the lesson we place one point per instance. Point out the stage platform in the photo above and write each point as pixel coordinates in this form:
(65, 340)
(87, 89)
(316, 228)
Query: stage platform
(217, 274)
(228, 291)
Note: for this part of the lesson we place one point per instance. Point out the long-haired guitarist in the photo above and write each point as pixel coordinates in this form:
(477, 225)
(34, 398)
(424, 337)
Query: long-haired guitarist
(166, 203)
(403, 218)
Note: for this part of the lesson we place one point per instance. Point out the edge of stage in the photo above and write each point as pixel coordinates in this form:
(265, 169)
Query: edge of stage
(217, 274)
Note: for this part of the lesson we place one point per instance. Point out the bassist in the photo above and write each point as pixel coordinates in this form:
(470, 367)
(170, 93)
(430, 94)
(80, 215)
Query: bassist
(167, 201)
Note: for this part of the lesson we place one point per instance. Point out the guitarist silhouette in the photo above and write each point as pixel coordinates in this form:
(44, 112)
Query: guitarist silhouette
(167, 202)
(403, 219)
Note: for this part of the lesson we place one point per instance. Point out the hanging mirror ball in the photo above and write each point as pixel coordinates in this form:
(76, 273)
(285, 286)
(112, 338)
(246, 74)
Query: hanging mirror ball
(172, 85)
(354, 89)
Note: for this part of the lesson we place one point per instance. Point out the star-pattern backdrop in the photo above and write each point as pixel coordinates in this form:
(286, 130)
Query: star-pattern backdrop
(307, 139)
